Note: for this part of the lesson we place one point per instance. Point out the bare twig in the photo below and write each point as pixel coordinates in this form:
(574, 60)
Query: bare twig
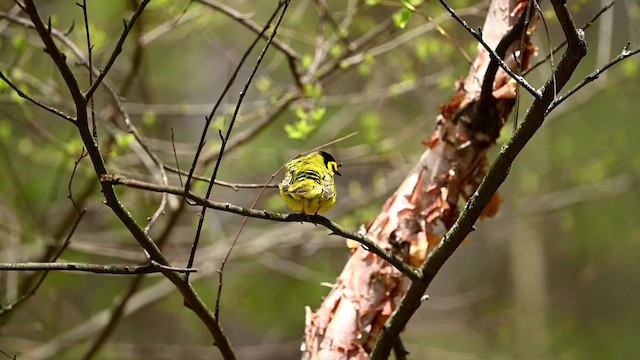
(83, 154)
(7, 308)
(626, 53)
(276, 110)
(232, 79)
(119, 309)
(562, 44)
(93, 268)
(175, 156)
(224, 139)
(234, 186)
(246, 22)
(494, 56)
(336, 229)
(23, 95)
(85, 16)
(518, 30)
(118, 49)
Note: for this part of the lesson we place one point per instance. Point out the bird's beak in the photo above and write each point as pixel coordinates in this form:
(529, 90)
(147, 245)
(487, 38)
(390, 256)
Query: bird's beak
(337, 173)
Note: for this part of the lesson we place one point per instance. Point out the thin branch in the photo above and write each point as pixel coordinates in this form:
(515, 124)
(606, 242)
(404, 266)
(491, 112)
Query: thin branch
(562, 44)
(85, 16)
(216, 309)
(83, 154)
(92, 268)
(36, 102)
(232, 79)
(175, 156)
(242, 138)
(494, 56)
(224, 139)
(118, 48)
(234, 186)
(7, 308)
(119, 310)
(244, 20)
(626, 53)
(336, 229)
(518, 30)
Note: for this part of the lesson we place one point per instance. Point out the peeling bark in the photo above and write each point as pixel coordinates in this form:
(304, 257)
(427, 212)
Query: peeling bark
(414, 219)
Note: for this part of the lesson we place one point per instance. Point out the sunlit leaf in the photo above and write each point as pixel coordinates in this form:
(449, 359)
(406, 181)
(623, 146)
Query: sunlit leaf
(401, 18)
(124, 141)
(149, 118)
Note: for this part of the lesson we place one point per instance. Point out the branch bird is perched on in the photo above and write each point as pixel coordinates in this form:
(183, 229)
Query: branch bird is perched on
(308, 185)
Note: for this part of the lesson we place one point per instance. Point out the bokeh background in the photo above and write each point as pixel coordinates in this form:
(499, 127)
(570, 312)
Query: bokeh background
(553, 276)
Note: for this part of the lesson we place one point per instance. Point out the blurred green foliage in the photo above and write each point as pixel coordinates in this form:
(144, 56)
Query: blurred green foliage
(586, 156)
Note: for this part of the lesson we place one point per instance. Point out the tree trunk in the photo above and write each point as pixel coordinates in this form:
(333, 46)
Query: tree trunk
(414, 219)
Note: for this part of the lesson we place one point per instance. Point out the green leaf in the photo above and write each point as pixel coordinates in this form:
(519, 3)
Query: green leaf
(366, 67)
(401, 18)
(124, 141)
(370, 123)
(307, 60)
(318, 113)
(263, 84)
(292, 132)
(149, 118)
(98, 38)
(19, 43)
(220, 122)
(301, 114)
(372, 2)
(336, 50)
(313, 91)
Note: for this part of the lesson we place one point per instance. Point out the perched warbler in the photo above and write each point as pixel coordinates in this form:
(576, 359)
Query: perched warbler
(308, 185)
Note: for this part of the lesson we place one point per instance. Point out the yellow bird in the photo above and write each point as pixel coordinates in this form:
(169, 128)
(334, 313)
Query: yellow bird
(308, 185)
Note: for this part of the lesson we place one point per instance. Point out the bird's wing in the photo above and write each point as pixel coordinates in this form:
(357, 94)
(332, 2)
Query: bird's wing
(305, 188)
(328, 188)
(286, 182)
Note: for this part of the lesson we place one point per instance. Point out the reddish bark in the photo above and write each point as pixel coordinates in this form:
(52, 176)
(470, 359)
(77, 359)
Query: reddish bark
(425, 206)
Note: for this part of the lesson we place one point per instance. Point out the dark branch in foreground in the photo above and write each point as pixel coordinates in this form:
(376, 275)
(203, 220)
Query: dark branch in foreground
(336, 229)
(92, 268)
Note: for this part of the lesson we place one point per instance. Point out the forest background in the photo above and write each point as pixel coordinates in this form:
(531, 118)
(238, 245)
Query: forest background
(552, 275)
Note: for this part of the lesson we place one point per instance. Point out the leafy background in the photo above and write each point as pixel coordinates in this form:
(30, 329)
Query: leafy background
(554, 275)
